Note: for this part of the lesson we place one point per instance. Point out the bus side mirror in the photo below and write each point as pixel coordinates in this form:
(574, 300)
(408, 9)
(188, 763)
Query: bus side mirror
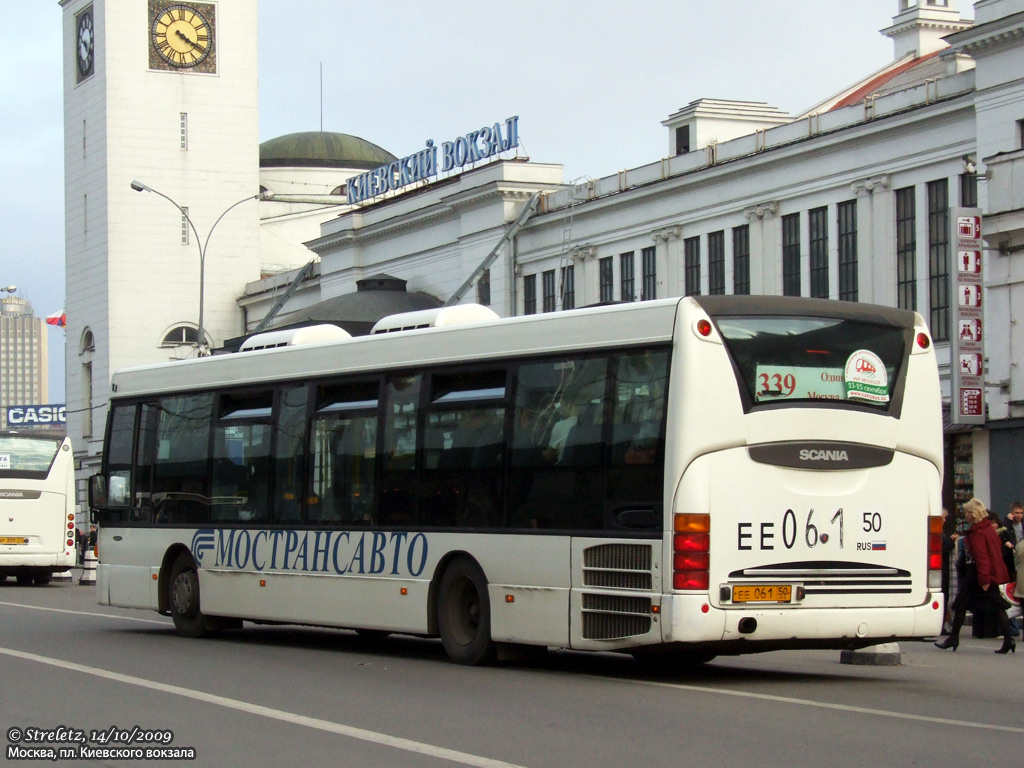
(97, 492)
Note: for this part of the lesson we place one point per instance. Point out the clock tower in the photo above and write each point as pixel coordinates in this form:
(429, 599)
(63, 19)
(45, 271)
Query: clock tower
(160, 140)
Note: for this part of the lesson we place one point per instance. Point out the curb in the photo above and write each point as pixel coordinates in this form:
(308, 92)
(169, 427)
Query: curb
(881, 655)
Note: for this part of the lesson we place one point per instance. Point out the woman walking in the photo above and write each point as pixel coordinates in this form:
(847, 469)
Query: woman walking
(984, 573)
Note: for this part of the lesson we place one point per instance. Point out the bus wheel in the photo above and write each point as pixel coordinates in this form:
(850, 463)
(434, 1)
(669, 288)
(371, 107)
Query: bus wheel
(24, 579)
(42, 579)
(184, 598)
(464, 614)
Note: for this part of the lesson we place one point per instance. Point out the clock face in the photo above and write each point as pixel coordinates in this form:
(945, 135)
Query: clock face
(85, 44)
(182, 35)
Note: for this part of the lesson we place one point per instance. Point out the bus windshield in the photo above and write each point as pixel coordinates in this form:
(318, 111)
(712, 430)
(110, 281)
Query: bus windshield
(796, 359)
(20, 454)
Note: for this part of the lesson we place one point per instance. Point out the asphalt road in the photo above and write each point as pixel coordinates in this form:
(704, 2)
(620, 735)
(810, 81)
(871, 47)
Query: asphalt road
(288, 696)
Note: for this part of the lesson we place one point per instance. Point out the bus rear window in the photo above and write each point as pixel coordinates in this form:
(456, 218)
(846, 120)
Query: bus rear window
(800, 359)
(20, 454)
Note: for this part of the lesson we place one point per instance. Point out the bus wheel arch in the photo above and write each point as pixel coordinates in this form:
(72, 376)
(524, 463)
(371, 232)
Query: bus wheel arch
(462, 610)
(183, 597)
(163, 588)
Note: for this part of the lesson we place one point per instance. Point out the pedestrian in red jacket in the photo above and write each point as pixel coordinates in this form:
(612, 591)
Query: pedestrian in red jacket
(984, 574)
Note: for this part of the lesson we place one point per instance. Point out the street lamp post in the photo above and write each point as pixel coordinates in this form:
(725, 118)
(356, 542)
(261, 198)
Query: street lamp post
(138, 186)
(8, 288)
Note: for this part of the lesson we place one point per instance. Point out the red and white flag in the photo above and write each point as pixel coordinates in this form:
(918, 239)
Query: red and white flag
(60, 319)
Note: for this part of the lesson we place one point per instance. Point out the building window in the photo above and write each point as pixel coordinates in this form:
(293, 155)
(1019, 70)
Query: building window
(969, 190)
(938, 258)
(626, 276)
(529, 294)
(906, 248)
(741, 260)
(649, 266)
(180, 336)
(817, 220)
(183, 128)
(88, 342)
(184, 225)
(568, 287)
(548, 283)
(682, 139)
(483, 289)
(716, 263)
(606, 279)
(791, 255)
(691, 266)
(87, 399)
(846, 219)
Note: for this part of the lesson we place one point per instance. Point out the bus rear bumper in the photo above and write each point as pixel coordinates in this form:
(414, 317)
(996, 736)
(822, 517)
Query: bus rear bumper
(58, 561)
(692, 619)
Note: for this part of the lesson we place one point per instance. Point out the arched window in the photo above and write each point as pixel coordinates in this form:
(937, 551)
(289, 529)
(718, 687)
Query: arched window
(88, 342)
(339, 191)
(180, 335)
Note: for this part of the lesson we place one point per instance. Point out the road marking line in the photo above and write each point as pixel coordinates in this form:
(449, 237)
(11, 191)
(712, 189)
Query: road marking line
(275, 714)
(85, 613)
(827, 705)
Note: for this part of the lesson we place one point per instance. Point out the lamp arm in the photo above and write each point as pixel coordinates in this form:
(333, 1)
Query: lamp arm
(225, 213)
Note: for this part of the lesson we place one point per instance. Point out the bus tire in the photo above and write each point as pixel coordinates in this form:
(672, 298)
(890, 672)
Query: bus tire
(24, 579)
(183, 597)
(464, 614)
(42, 579)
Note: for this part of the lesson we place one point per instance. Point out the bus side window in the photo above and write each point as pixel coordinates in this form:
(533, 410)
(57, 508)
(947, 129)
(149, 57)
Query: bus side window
(398, 497)
(241, 457)
(145, 457)
(462, 479)
(556, 478)
(181, 469)
(119, 455)
(638, 426)
(289, 452)
(343, 453)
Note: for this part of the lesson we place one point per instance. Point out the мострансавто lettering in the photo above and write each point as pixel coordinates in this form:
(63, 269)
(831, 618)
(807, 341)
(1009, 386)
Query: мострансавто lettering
(395, 553)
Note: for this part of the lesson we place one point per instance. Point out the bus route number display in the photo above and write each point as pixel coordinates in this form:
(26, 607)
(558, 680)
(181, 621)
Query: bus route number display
(864, 378)
(781, 382)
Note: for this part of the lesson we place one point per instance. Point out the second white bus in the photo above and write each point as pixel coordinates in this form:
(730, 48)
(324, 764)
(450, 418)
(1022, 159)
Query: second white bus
(37, 507)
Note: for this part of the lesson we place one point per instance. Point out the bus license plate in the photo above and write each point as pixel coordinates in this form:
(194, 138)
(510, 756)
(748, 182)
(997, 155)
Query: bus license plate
(13, 540)
(762, 593)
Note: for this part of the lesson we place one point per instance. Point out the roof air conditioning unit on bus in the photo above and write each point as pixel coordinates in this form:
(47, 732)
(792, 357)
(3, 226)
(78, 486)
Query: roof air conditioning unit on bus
(458, 314)
(292, 337)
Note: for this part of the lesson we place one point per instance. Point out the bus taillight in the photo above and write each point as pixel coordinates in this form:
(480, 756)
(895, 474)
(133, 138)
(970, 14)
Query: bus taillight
(691, 546)
(935, 552)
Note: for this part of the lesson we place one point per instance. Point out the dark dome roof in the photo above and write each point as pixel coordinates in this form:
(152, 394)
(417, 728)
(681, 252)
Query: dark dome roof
(316, 149)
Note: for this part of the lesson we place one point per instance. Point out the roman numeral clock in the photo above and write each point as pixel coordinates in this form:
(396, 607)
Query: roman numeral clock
(182, 36)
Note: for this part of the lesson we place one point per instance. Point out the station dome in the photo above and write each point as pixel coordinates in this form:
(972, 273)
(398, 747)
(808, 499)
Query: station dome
(318, 149)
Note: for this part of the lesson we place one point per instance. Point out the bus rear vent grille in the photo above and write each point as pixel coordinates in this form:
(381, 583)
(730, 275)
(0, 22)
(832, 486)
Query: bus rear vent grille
(618, 566)
(610, 617)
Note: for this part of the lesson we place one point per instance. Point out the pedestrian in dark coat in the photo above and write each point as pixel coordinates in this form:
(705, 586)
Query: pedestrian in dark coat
(981, 587)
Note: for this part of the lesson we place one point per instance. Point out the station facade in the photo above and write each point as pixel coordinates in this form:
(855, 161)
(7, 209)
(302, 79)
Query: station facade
(852, 200)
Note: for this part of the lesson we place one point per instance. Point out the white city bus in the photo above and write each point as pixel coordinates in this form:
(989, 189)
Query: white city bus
(697, 476)
(37, 507)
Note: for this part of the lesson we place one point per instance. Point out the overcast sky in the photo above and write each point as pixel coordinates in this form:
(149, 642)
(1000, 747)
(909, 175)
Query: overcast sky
(591, 81)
